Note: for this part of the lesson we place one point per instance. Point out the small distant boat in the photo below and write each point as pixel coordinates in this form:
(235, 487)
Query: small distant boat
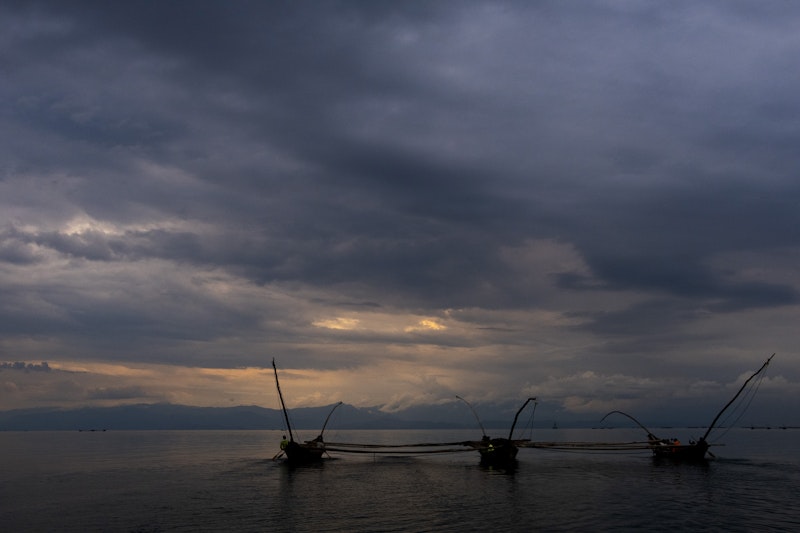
(673, 449)
(498, 452)
(307, 452)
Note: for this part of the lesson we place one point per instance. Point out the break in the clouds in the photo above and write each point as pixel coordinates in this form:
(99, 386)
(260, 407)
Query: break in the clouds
(400, 201)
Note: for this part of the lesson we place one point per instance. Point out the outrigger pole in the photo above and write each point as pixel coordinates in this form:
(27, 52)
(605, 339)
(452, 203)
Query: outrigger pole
(510, 433)
(649, 433)
(328, 418)
(757, 372)
(474, 413)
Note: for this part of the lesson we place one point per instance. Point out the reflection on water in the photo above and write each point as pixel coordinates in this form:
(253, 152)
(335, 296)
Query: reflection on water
(225, 480)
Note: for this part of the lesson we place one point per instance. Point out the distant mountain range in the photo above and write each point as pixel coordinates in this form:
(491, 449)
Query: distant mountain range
(449, 415)
(170, 416)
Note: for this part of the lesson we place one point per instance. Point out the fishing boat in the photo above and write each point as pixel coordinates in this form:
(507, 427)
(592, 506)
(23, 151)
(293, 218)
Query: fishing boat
(498, 452)
(694, 451)
(306, 452)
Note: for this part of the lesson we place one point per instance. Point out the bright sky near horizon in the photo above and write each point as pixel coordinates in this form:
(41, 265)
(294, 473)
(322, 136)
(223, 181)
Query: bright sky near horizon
(596, 203)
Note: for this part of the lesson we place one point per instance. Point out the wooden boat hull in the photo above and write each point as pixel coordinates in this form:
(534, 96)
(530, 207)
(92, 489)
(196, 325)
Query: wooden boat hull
(306, 453)
(498, 453)
(691, 453)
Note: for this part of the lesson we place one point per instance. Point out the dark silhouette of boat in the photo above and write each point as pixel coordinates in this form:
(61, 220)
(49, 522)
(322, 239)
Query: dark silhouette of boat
(306, 452)
(694, 451)
(498, 452)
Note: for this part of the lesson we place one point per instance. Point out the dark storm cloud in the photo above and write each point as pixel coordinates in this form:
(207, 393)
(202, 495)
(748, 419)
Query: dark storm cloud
(294, 67)
(663, 243)
(186, 173)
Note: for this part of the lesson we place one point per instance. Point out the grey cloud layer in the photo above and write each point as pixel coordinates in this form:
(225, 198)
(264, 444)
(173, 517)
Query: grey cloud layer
(392, 154)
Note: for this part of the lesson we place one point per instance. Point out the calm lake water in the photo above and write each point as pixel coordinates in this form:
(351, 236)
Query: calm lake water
(227, 481)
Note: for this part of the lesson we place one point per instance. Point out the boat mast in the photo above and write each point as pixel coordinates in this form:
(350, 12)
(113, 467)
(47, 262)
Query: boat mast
(283, 405)
(510, 433)
(736, 396)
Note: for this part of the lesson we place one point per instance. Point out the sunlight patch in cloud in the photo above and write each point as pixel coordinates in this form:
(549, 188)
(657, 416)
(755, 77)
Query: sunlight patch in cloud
(381, 323)
(84, 224)
(338, 323)
(105, 369)
(426, 324)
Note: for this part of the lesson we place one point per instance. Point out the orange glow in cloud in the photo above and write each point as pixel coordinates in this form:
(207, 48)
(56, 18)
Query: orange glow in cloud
(338, 323)
(426, 324)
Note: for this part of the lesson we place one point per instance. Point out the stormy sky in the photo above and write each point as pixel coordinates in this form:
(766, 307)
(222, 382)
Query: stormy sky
(594, 203)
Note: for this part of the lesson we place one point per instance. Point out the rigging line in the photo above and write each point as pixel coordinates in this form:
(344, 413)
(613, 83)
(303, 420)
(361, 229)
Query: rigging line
(529, 424)
(595, 447)
(745, 400)
(569, 444)
(632, 451)
(755, 391)
(743, 405)
(738, 410)
(397, 452)
(732, 400)
(420, 445)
